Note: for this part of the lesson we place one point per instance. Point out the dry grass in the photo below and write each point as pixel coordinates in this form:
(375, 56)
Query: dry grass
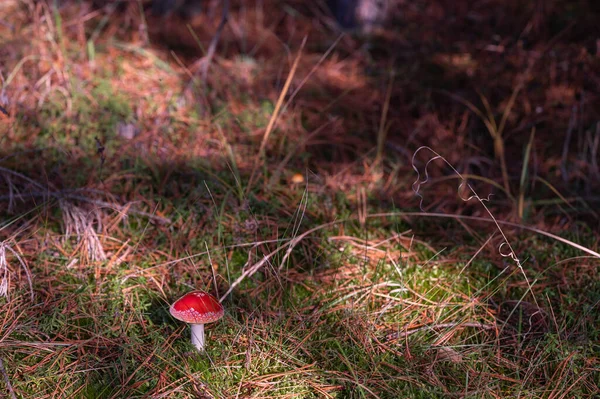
(283, 184)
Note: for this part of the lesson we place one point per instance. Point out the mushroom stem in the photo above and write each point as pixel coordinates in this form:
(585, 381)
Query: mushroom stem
(198, 336)
(197, 308)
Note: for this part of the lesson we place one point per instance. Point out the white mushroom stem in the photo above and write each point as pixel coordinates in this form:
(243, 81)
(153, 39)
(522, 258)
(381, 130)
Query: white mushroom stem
(198, 336)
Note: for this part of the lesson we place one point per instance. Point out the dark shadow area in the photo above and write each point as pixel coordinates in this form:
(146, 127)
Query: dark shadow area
(471, 79)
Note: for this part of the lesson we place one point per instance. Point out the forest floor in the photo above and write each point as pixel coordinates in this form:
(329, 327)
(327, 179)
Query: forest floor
(409, 213)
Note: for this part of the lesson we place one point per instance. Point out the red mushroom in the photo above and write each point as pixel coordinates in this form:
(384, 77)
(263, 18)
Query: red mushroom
(197, 308)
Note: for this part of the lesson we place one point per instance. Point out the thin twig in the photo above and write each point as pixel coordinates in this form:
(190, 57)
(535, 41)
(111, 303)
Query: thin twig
(215, 40)
(7, 380)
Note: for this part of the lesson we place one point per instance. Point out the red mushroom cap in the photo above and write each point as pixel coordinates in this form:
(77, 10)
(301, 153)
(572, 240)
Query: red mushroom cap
(197, 307)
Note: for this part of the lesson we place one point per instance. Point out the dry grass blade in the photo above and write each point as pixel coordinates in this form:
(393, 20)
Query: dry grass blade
(4, 272)
(495, 131)
(275, 114)
(80, 224)
(249, 270)
(279, 103)
(311, 72)
(522, 182)
(499, 222)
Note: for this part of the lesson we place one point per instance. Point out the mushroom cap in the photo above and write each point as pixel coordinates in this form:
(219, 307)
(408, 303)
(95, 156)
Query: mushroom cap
(197, 307)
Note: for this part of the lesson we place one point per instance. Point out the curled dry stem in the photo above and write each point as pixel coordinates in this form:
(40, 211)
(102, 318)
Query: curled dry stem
(504, 249)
